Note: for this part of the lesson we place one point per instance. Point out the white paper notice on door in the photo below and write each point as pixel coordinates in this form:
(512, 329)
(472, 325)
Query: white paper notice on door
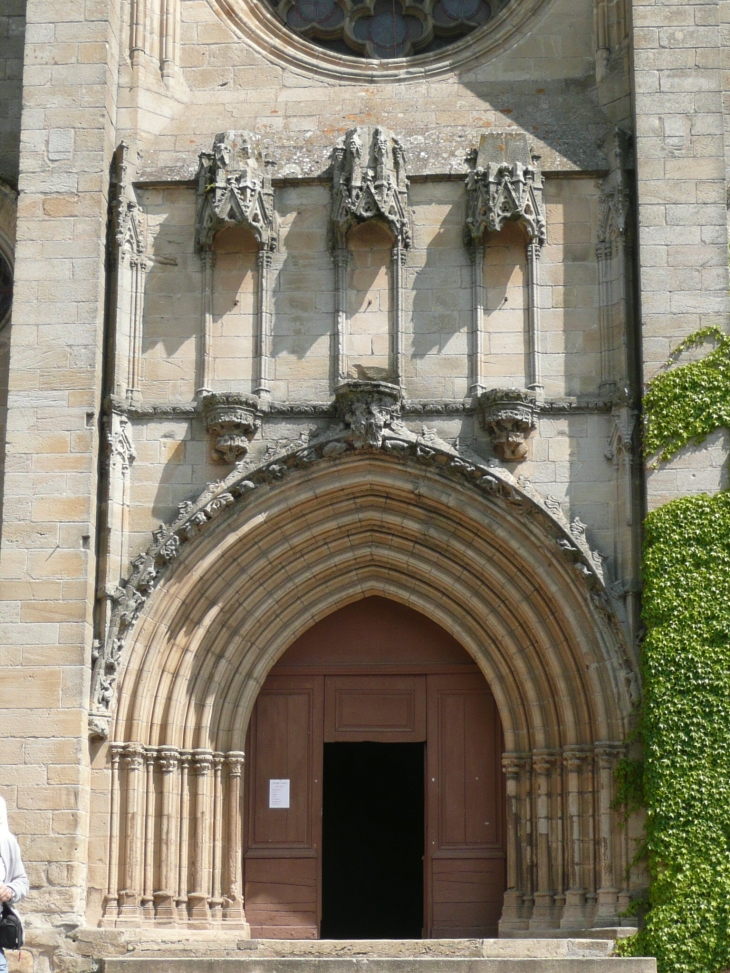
(278, 793)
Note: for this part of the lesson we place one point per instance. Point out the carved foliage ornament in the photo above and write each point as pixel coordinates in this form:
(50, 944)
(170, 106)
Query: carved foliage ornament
(505, 185)
(369, 182)
(385, 28)
(370, 417)
(234, 189)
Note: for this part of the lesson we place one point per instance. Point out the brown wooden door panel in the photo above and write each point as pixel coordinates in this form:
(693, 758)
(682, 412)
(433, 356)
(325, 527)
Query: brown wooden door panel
(385, 709)
(281, 897)
(464, 879)
(467, 897)
(286, 743)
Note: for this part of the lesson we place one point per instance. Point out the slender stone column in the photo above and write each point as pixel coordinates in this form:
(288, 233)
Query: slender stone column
(233, 910)
(514, 766)
(165, 913)
(138, 271)
(147, 901)
(543, 764)
(341, 259)
(216, 902)
(574, 915)
(138, 32)
(129, 904)
(111, 902)
(607, 901)
(181, 901)
(264, 350)
(534, 378)
(476, 253)
(399, 259)
(199, 897)
(207, 259)
(169, 37)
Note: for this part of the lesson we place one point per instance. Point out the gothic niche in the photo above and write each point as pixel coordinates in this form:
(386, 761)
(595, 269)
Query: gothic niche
(508, 417)
(234, 195)
(370, 236)
(506, 212)
(231, 420)
(385, 28)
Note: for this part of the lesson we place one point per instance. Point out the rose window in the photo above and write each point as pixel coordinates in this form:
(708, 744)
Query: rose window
(385, 28)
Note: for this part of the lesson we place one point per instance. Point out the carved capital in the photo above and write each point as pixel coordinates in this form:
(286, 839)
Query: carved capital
(235, 760)
(369, 182)
(607, 754)
(367, 409)
(168, 759)
(514, 764)
(134, 754)
(231, 419)
(574, 759)
(234, 189)
(508, 417)
(202, 762)
(544, 761)
(505, 185)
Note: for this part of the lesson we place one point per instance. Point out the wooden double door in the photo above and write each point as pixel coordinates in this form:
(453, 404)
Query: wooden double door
(412, 750)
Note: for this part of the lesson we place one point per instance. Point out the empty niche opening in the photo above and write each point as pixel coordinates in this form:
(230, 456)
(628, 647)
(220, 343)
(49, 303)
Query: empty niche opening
(370, 302)
(505, 307)
(234, 310)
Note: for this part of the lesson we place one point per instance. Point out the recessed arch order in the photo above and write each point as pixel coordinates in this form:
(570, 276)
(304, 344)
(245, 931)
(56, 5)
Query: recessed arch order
(243, 592)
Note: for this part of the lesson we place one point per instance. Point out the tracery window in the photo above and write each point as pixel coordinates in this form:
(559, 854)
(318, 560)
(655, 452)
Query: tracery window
(385, 28)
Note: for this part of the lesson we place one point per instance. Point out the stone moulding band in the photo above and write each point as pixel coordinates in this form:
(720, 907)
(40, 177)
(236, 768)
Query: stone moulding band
(387, 438)
(261, 28)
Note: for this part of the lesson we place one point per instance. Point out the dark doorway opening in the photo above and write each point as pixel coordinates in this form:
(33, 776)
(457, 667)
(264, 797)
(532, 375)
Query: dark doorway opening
(373, 841)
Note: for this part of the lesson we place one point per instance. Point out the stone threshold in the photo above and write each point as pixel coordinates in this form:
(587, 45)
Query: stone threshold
(210, 951)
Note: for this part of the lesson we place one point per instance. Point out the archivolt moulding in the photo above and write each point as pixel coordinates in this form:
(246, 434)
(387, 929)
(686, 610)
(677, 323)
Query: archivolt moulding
(366, 426)
(264, 31)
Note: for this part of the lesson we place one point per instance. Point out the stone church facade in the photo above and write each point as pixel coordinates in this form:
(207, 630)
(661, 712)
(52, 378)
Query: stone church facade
(321, 387)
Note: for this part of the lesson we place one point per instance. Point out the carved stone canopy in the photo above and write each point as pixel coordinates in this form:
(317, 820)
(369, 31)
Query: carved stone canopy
(505, 185)
(231, 419)
(368, 408)
(508, 416)
(369, 182)
(234, 189)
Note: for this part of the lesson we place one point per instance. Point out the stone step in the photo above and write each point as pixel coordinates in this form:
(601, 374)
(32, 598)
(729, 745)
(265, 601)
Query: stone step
(494, 956)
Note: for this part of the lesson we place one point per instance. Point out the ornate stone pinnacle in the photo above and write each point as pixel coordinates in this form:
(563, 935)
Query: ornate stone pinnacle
(367, 408)
(234, 189)
(369, 182)
(231, 419)
(508, 416)
(505, 185)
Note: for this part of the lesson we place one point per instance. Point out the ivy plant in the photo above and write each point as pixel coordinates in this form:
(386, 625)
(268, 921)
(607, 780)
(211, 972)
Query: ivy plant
(685, 724)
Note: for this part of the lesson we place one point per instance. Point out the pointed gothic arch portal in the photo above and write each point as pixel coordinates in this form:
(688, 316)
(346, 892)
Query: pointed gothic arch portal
(392, 819)
(288, 548)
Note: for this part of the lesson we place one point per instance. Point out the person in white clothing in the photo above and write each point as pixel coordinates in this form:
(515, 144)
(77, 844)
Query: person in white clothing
(13, 880)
